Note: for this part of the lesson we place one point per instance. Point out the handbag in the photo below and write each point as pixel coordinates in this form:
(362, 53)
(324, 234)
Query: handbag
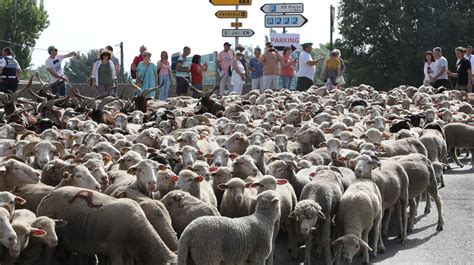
(139, 81)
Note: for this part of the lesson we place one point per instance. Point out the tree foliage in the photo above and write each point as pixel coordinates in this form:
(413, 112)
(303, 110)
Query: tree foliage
(383, 41)
(78, 68)
(21, 22)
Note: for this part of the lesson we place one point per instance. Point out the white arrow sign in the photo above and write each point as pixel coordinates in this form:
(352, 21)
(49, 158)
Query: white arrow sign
(237, 33)
(283, 8)
(285, 21)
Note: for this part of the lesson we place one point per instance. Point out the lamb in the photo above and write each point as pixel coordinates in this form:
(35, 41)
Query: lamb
(237, 200)
(196, 186)
(220, 175)
(9, 201)
(286, 170)
(359, 211)
(258, 154)
(237, 143)
(129, 159)
(220, 157)
(90, 231)
(307, 213)
(326, 189)
(458, 135)
(184, 208)
(232, 241)
(244, 166)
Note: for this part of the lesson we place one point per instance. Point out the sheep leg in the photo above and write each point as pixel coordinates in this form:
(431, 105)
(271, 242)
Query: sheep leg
(326, 239)
(293, 245)
(270, 258)
(365, 251)
(428, 202)
(337, 255)
(454, 156)
(307, 249)
(417, 202)
(386, 220)
(472, 160)
(116, 259)
(378, 243)
(411, 218)
(433, 190)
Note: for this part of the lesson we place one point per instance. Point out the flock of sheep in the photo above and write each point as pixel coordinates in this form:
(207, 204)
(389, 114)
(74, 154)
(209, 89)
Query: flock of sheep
(214, 181)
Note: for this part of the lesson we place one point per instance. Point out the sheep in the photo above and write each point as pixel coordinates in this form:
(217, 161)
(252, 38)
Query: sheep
(244, 166)
(458, 135)
(404, 146)
(392, 181)
(96, 168)
(184, 208)
(307, 213)
(107, 148)
(201, 168)
(14, 173)
(164, 182)
(189, 155)
(286, 170)
(287, 197)
(43, 152)
(129, 159)
(156, 214)
(359, 211)
(196, 186)
(307, 139)
(326, 189)
(237, 200)
(9, 201)
(220, 175)
(220, 157)
(90, 231)
(232, 241)
(258, 155)
(236, 143)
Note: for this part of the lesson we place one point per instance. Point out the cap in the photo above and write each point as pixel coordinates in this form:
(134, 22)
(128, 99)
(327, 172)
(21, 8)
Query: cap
(239, 47)
(469, 47)
(51, 48)
(306, 44)
(227, 44)
(334, 52)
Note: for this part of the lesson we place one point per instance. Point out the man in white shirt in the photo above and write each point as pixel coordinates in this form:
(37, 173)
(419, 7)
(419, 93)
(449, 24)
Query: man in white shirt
(55, 70)
(307, 68)
(10, 71)
(440, 77)
(470, 58)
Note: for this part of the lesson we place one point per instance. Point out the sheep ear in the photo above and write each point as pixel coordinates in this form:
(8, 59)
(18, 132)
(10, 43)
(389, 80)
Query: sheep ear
(60, 222)
(337, 241)
(19, 200)
(362, 136)
(3, 169)
(199, 179)
(275, 200)
(293, 215)
(323, 144)
(223, 186)
(67, 175)
(233, 156)
(132, 170)
(106, 158)
(321, 215)
(124, 150)
(327, 130)
(282, 181)
(174, 178)
(178, 197)
(199, 152)
(37, 232)
(163, 167)
(349, 129)
(364, 244)
(254, 185)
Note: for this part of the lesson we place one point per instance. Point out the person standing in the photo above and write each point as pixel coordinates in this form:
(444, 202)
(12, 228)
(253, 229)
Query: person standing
(429, 68)
(147, 74)
(464, 71)
(241, 49)
(196, 74)
(271, 60)
(136, 61)
(287, 68)
(164, 75)
(103, 74)
(114, 59)
(238, 74)
(332, 71)
(470, 58)
(183, 69)
(257, 70)
(342, 81)
(440, 77)
(10, 71)
(307, 67)
(224, 60)
(55, 70)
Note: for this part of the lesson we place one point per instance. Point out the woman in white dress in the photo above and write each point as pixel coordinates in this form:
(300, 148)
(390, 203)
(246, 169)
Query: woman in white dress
(238, 74)
(429, 68)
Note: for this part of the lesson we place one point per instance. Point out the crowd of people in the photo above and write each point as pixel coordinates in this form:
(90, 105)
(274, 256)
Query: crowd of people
(264, 70)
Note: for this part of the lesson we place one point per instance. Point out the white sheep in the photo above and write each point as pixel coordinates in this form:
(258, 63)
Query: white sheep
(237, 200)
(196, 185)
(232, 241)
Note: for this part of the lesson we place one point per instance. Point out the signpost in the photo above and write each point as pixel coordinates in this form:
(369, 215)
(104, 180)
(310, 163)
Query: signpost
(236, 24)
(231, 2)
(231, 14)
(237, 33)
(282, 8)
(285, 21)
(280, 41)
(333, 16)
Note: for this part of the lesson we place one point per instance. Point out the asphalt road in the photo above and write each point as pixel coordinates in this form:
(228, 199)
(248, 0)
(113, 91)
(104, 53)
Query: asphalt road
(453, 245)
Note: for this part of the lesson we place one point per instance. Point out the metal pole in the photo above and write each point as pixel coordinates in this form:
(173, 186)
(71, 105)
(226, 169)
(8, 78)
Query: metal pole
(122, 68)
(331, 26)
(284, 29)
(236, 24)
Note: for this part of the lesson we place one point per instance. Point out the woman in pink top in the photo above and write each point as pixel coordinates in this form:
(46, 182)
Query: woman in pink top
(287, 68)
(164, 75)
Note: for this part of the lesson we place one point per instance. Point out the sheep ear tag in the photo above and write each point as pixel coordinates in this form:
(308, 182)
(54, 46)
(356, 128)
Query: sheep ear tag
(282, 181)
(213, 169)
(202, 137)
(174, 178)
(312, 174)
(199, 179)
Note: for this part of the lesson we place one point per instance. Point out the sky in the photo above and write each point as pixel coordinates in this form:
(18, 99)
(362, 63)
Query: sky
(162, 25)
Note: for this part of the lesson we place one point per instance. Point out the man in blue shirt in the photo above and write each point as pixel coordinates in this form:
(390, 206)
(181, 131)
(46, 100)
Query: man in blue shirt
(257, 70)
(9, 71)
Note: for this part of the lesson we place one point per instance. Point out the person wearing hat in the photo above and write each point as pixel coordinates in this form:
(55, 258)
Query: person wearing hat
(224, 60)
(332, 70)
(10, 71)
(429, 68)
(54, 66)
(271, 60)
(463, 71)
(103, 74)
(307, 68)
(241, 49)
(470, 58)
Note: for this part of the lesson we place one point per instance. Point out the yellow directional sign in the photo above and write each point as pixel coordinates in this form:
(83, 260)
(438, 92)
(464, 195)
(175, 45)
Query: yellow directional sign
(236, 25)
(231, 14)
(231, 2)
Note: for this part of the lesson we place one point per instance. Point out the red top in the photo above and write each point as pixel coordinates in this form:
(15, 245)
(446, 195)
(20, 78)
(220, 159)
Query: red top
(196, 77)
(288, 71)
(137, 59)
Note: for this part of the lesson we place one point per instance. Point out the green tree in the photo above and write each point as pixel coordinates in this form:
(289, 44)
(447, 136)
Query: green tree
(321, 51)
(21, 23)
(383, 41)
(78, 68)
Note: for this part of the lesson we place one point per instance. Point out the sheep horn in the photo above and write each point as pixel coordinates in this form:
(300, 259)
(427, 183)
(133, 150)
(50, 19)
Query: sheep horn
(148, 91)
(105, 101)
(23, 137)
(51, 103)
(170, 115)
(18, 92)
(193, 88)
(133, 84)
(60, 148)
(28, 150)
